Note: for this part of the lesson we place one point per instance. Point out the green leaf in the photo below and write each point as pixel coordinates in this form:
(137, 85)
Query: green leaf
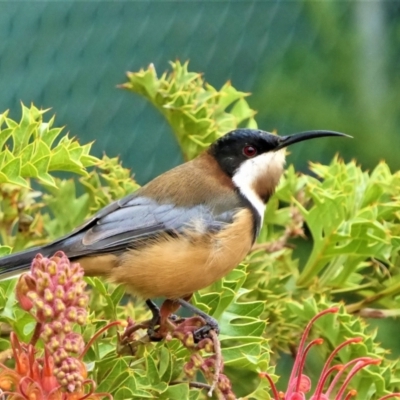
(33, 153)
(4, 250)
(117, 294)
(124, 393)
(195, 110)
(179, 391)
(10, 173)
(115, 377)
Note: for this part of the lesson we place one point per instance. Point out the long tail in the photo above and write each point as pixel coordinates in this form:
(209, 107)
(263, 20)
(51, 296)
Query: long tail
(16, 263)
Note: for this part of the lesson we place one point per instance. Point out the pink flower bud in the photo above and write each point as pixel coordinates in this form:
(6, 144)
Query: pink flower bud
(48, 311)
(54, 344)
(60, 374)
(188, 340)
(56, 326)
(52, 268)
(39, 303)
(48, 295)
(197, 360)
(62, 278)
(70, 295)
(47, 332)
(81, 318)
(59, 292)
(32, 295)
(67, 327)
(72, 314)
(53, 292)
(189, 369)
(59, 306)
(82, 301)
(60, 355)
(24, 285)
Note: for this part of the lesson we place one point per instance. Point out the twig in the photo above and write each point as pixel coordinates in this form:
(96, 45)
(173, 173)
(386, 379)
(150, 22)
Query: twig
(295, 229)
(132, 329)
(96, 336)
(196, 385)
(377, 313)
(36, 333)
(218, 362)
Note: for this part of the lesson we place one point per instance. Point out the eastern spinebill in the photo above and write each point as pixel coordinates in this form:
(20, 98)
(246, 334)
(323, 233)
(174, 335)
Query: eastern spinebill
(185, 229)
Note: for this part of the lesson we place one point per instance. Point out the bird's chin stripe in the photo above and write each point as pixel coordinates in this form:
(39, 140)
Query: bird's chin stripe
(255, 201)
(261, 171)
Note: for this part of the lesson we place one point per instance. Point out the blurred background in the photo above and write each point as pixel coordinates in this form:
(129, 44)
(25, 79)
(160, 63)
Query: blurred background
(309, 65)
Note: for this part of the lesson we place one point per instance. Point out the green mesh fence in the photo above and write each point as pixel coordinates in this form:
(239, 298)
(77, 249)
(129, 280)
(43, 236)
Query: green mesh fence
(309, 64)
(332, 65)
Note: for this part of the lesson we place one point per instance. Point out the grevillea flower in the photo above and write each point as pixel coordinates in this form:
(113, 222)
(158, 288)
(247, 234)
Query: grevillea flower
(53, 292)
(210, 365)
(339, 375)
(33, 377)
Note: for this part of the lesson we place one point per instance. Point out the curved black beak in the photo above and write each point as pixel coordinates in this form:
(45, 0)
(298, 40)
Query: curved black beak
(285, 141)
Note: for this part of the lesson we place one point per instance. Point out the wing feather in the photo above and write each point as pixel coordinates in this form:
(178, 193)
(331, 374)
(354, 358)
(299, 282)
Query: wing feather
(142, 217)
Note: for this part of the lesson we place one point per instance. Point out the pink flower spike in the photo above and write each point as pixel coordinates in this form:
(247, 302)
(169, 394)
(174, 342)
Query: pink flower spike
(305, 384)
(359, 365)
(271, 383)
(296, 396)
(341, 372)
(324, 374)
(390, 396)
(300, 378)
(298, 360)
(318, 395)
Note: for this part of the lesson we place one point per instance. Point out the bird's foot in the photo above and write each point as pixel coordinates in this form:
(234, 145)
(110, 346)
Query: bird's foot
(164, 323)
(154, 322)
(204, 331)
(158, 325)
(210, 323)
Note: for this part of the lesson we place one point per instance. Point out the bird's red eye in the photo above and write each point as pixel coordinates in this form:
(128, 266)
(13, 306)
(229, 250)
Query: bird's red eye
(249, 151)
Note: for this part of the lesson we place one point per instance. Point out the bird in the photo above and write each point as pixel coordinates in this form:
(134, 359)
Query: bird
(185, 229)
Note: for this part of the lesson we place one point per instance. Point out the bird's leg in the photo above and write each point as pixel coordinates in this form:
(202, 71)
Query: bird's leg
(211, 323)
(150, 324)
(160, 317)
(155, 311)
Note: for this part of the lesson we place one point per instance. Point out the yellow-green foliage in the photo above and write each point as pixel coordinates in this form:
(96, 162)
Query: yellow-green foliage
(197, 112)
(334, 236)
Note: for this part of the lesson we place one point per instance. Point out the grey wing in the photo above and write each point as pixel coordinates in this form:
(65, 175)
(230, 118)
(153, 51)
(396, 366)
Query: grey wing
(123, 224)
(137, 219)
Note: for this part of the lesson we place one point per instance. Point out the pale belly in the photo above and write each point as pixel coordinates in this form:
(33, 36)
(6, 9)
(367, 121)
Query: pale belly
(176, 267)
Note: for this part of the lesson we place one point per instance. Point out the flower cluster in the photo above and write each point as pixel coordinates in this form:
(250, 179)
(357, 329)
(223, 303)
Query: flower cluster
(339, 375)
(33, 377)
(210, 364)
(54, 293)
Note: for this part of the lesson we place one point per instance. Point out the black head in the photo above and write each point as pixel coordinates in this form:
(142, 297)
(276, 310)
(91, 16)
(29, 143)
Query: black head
(237, 146)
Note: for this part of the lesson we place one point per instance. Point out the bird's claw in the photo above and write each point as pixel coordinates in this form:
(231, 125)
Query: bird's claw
(211, 324)
(153, 330)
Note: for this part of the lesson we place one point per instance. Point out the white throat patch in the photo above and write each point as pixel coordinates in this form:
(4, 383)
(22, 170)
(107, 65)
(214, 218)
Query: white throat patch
(265, 171)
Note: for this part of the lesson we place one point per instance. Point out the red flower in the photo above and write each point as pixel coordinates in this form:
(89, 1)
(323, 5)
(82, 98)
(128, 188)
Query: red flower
(300, 384)
(33, 377)
(53, 292)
